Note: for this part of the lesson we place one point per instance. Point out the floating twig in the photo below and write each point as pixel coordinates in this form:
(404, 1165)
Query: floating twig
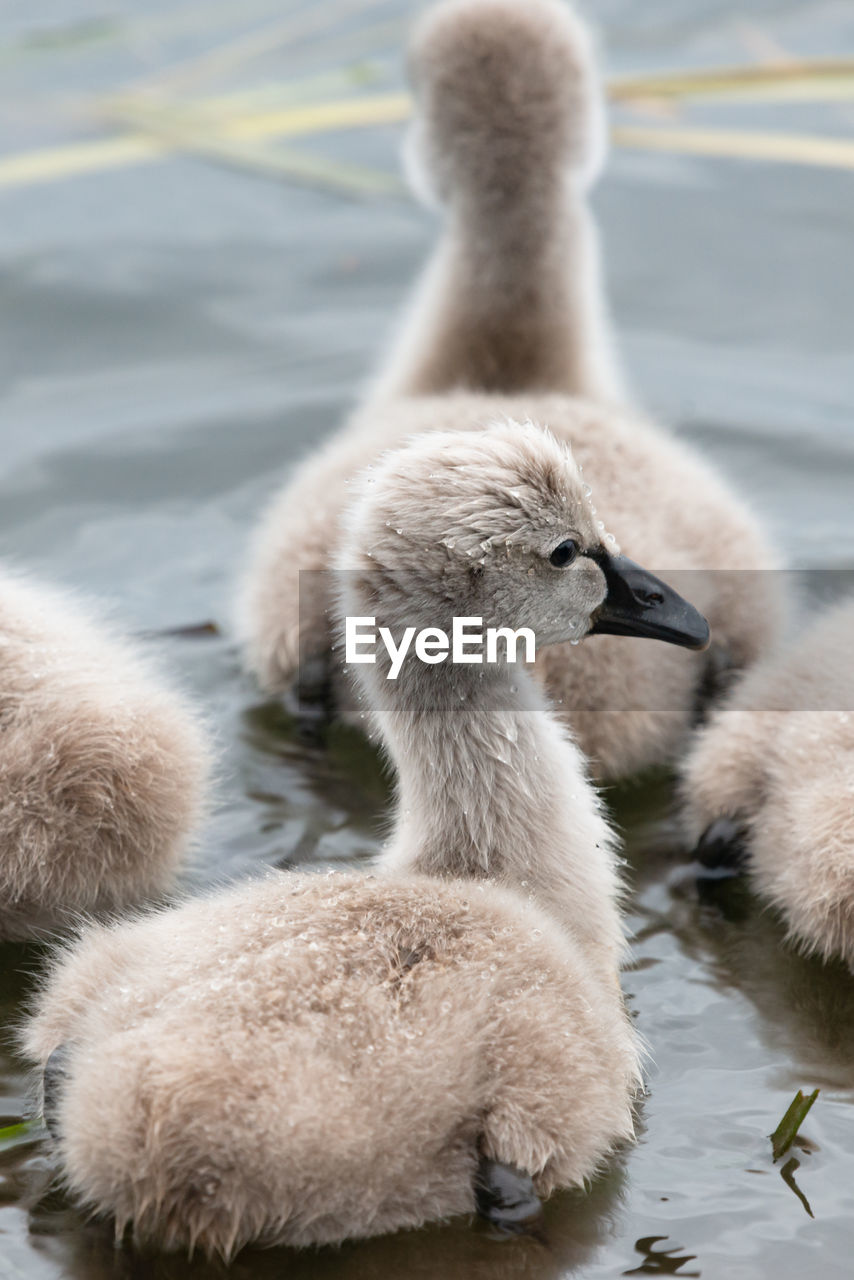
(741, 144)
(809, 78)
(234, 142)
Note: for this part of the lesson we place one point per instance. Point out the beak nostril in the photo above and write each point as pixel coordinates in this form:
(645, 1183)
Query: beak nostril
(639, 604)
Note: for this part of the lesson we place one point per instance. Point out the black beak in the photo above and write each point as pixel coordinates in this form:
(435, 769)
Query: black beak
(639, 604)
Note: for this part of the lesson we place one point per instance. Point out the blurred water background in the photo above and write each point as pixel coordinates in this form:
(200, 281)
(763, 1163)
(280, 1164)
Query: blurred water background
(203, 248)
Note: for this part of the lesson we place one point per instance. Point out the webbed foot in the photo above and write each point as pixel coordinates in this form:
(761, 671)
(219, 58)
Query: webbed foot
(506, 1198)
(722, 844)
(311, 701)
(55, 1075)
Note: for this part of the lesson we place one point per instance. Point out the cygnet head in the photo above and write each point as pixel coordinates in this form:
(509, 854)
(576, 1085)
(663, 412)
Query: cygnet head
(507, 97)
(496, 523)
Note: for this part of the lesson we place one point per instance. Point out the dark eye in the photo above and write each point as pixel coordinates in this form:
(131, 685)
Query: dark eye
(564, 554)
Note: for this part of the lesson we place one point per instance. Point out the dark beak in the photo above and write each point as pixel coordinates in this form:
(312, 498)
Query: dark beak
(639, 604)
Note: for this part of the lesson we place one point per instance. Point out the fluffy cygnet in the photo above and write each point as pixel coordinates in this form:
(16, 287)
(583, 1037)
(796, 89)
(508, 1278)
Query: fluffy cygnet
(509, 323)
(309, 1058)
(102, 768)
(771, 778)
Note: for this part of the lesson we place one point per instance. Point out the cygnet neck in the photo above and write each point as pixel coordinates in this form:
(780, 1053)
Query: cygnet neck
(490, 787)
(512, 301)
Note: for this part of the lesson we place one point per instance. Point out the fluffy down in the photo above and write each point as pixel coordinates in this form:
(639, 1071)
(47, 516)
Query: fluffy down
(102, 769)
(507, 137)
(507, 98)
(778, 759)
(307, 1058)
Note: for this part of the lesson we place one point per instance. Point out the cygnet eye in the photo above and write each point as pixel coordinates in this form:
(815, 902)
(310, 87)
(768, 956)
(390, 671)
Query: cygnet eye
(564, 554)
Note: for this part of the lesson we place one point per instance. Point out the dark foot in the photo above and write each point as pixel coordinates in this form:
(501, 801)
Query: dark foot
(505, 1197)
(312, 701)
(722, 844)
(55, 1075)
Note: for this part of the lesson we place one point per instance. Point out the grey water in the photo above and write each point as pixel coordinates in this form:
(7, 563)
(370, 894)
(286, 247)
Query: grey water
(175, 334)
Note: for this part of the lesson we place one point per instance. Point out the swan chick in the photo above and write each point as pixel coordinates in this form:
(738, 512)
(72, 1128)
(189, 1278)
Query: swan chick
(508, 137)
(102, 768)
(509, 323)
(770, 780)
(307, 1058)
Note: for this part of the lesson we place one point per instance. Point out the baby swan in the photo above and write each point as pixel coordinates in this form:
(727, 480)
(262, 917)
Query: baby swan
(508, 137)
(771, 777)
(308, 1058)
(509, 323)
(102, 770)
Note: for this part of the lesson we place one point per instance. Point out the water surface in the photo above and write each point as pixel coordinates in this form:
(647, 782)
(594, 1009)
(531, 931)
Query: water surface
(174, 335)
